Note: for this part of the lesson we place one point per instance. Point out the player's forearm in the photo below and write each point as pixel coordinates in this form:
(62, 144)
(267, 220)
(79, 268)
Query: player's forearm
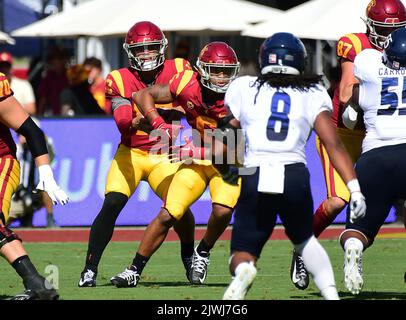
(346, 92)
(146, 104)
(123, 117)
(347, 82)
(42, 160)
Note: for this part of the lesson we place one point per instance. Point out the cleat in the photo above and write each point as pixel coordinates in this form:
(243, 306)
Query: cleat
(353, 269)
(51, 222)
(128, 278)
(87, 279)
(244, 276)
(187, 263)
(298, 272)
(38, 288)
(198, 272)
(44, 294)
(26, 295)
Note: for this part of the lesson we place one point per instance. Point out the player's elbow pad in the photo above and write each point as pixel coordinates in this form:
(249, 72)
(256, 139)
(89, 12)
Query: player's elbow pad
(35, 137)
(349, 117)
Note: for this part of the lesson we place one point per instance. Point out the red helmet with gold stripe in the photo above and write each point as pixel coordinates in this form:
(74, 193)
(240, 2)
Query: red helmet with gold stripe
(383, 17)
(218, 65)
(145, 45)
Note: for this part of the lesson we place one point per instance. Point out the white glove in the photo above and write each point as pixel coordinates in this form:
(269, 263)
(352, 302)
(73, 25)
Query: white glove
(48, 184)
(358, 206)
(350, 117)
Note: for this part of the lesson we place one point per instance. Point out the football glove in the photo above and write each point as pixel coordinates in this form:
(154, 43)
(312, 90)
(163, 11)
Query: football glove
(358, 206)
(187, 151)
(229, 173)
(170, 130)
(48, 184)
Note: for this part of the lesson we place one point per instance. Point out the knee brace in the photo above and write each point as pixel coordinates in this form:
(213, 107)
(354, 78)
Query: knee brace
(7, 235)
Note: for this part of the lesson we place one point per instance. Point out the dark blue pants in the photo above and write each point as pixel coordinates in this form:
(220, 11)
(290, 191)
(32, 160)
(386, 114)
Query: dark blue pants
(256, 212)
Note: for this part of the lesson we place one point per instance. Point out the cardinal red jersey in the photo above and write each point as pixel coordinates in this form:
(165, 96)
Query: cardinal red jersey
(187, 90)
(348, 47)
(123, 82)
(7, 145)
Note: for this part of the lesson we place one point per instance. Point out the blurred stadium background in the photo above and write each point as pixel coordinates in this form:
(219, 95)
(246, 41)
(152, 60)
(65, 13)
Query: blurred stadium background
(85, 146)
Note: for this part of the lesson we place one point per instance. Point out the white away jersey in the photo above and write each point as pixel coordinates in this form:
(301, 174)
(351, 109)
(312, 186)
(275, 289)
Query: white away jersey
(382, 97)
(277, 126)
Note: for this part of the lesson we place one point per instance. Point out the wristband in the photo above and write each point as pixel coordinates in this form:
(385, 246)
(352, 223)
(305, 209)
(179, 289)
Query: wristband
(149, 111)
(158, 121)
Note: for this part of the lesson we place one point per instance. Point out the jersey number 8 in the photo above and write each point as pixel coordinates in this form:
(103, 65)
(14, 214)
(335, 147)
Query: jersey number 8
(278, 122)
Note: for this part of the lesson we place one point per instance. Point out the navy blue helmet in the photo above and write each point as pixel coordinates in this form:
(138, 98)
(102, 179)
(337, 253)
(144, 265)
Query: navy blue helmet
(282, 53)
(394, 49)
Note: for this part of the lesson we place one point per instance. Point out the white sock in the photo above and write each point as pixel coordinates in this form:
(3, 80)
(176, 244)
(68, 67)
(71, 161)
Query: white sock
(330, 293)
(242, 265)
(318, 265)
(353, 242)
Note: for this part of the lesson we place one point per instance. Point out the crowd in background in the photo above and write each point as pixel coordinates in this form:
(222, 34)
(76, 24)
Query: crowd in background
(60, 90)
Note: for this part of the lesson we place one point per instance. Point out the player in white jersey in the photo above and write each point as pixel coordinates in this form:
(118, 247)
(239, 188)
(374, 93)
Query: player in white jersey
(277, 112)
(381, 169)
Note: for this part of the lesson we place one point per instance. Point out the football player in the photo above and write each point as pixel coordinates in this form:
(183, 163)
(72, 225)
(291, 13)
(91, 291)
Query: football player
(277, 111)
(382, 17)
(380, 95)
(201, 94)
(14, 116)
(145, 46)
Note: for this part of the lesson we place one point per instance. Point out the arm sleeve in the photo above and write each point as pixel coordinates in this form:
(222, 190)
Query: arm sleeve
(35, 137)
(120, 106)
(123, 116)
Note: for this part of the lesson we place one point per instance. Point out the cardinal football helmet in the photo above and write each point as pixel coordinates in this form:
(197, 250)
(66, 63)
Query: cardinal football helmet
(217, 65)
(145, 45)
(383, 17)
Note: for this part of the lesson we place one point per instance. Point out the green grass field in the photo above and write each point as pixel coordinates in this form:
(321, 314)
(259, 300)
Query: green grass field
(164, 277)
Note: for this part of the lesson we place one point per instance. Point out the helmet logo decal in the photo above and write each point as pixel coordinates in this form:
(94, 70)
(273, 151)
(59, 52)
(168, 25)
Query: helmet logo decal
(272, 58)
(371, 5)
(190, 104)
(387, 41)
(206, 47)
(289, 57)
(391, 20)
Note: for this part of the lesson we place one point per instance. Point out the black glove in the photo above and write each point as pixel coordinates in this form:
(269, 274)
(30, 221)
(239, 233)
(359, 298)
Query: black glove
(229, 173)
